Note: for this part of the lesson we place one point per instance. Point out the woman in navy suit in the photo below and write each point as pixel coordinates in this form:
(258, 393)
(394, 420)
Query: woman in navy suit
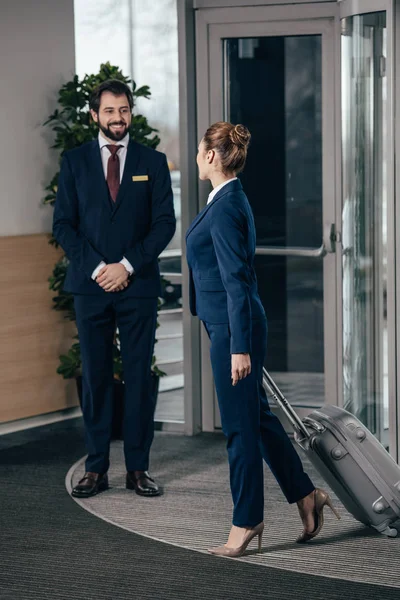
(221, 246)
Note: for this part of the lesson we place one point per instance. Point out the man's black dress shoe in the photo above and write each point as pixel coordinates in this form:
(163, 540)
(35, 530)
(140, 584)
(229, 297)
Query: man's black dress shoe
(90, 485)
(142, 483)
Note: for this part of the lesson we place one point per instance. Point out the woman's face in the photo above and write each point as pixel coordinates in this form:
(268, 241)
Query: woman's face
(204, 161)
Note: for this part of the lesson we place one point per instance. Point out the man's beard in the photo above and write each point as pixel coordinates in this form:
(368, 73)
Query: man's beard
(115, 136)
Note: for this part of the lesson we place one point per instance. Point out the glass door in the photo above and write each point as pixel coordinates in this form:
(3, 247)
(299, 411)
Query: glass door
(278, 80)
(274, 86)
(368, 301)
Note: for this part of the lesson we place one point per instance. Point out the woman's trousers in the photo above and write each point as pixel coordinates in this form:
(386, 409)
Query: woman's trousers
(253, 432)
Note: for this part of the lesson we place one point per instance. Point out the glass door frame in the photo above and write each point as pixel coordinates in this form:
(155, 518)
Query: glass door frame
(350, 8)
(212, 26)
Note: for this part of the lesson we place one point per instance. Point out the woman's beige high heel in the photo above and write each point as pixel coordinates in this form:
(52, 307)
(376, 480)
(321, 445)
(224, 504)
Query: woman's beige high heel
(321, 499)
(236, 552)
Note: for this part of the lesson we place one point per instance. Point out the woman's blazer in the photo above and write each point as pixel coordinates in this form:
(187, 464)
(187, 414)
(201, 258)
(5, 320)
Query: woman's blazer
(221, 244)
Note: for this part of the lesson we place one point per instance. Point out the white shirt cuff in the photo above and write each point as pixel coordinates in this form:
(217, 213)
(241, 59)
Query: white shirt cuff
(98, 269)
(127, 265)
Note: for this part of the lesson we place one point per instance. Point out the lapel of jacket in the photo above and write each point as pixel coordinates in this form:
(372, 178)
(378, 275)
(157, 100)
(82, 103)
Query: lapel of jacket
(131, 163)
(233, 186)
(100, 186)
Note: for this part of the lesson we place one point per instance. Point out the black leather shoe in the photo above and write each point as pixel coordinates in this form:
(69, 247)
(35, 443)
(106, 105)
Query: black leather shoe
(142, 483)
(90, 485)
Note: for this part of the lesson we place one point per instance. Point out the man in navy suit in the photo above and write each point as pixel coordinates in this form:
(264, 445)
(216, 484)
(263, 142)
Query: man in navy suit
(113, 216)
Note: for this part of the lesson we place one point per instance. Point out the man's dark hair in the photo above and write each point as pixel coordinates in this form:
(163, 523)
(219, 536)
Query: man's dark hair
(116, 87)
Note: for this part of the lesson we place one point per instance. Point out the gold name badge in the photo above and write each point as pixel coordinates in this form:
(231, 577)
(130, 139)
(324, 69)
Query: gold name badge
(140, 177)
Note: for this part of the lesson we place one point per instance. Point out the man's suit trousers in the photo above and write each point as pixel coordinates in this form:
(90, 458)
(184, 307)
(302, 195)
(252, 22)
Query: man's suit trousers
(252, 431)
(97, 318)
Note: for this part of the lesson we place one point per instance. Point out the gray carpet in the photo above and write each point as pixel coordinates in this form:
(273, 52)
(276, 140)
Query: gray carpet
(51, 549)
(195, 513)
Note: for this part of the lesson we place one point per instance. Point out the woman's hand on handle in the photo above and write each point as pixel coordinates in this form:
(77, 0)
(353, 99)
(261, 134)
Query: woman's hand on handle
(241, 367)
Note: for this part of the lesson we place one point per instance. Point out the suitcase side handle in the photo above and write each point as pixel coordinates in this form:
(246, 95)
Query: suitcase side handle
(276, 394)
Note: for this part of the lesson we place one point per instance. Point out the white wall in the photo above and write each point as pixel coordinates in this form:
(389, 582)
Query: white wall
(37, 57)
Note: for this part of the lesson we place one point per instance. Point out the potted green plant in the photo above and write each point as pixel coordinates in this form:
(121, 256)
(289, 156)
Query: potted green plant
(73, 126)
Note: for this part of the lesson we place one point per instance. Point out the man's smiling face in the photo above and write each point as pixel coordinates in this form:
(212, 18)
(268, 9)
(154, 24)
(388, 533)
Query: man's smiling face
(114, 116)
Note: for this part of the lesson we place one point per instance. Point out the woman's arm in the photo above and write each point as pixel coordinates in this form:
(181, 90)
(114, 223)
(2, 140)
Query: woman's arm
(228, 229)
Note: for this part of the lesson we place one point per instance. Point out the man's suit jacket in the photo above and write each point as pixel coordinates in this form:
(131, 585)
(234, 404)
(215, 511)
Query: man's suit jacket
(221, 245)
(91, 228)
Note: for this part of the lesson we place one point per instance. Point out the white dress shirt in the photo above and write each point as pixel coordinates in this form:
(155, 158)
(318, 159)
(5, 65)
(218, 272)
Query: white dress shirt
(105, 155)
(216, 189)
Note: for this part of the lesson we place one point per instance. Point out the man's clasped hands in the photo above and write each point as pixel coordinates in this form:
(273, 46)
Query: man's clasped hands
(113, 277)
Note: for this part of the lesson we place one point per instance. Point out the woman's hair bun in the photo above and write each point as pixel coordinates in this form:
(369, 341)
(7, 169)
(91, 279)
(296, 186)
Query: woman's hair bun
(230, 143)
(240, 135)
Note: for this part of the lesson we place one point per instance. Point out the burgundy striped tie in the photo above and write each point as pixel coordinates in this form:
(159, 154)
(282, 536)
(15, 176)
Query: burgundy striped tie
(113, 175)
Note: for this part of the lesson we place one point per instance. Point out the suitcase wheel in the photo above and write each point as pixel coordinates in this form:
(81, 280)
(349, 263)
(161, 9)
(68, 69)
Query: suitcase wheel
(388, 531)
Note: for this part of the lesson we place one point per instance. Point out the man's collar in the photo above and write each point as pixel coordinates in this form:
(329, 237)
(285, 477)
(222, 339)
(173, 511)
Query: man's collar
(103, 142)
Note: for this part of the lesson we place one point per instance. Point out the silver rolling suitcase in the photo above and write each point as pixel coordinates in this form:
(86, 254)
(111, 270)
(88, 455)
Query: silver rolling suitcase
(355, 465)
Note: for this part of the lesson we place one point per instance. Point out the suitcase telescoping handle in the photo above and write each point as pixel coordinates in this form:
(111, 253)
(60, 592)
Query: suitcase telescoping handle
(276, 394)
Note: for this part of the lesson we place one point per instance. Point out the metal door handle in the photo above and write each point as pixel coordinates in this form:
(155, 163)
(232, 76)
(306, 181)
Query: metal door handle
(304, 252)
(330, 238)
